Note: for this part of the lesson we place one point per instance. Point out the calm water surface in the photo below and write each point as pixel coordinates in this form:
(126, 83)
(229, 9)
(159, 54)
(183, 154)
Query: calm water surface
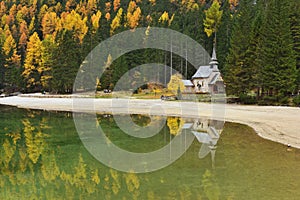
(42, 157)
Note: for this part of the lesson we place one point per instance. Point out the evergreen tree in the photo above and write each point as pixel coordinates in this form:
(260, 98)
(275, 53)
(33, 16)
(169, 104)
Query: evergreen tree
(277, 56)
(295, 28)
(258, 33)
(224, 34)
(68, 58)
(236, 71)
(49, 48)
(253, 52)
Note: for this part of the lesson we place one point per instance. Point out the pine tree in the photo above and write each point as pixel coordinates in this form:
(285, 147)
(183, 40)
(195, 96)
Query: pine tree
(295, 28)
(277, 56)
(236, 71)
(224, 34)
(253, 52)
(68, 58)
(48, 52)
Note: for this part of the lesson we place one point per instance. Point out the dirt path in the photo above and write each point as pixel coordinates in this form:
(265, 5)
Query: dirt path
(280, 124)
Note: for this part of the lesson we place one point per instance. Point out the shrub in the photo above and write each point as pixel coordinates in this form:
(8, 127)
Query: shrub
(268, 101)
(283, 101)
(296, 100)
(247, 99)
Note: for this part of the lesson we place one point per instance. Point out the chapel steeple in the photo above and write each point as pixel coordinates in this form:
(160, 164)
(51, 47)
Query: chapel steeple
(214, 61)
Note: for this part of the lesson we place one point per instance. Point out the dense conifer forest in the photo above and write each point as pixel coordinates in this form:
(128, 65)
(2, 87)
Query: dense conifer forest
(43, 42)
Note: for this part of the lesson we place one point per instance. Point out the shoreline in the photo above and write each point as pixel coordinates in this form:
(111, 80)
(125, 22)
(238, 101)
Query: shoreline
(275, 123)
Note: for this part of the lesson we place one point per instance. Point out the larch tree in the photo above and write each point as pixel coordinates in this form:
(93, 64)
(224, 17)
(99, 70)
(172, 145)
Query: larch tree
(165, 19)
(213, 19)
(43, 11)
(49, 24)
(176, 85)
(117, 5)
(12, 61)
(91, 6)
(75, 23)
(49, 48)
(107, 10)
(116, 22)
(33, 62)
(95, 20)
(3, 8)
(133, 15)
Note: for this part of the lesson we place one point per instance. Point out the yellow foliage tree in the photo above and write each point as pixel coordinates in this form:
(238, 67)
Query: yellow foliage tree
(133, 15)
(213, 19)
(95, 21)
(36, 73)
(33, 61)
(116, 5)
(74, 22)
(31, 28)
(107, 16)
(116, 22)
(9, 43)
(164, 18)
(190, 5)
(176, 85)
(49, 24)
(91, 6)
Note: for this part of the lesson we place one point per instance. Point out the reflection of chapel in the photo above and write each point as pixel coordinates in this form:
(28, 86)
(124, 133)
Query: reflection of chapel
(207, 133)
(207, 79)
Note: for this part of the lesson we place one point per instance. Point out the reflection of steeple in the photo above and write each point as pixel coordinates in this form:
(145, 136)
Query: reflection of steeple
(213, 154)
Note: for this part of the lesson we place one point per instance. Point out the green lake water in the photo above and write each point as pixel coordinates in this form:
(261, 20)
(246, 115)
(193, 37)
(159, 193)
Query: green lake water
(42, 157)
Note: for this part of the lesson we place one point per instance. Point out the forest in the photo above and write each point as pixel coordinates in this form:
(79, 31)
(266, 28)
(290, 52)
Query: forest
(43, 42)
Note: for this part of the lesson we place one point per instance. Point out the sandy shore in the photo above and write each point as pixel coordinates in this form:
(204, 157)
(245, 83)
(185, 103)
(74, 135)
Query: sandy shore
(279, 124)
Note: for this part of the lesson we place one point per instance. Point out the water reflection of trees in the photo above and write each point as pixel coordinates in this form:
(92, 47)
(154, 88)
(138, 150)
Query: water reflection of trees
(32, 167)
(175, 125)
(29, 169)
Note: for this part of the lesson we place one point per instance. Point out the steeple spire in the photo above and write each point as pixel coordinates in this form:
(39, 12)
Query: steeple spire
(214, 60)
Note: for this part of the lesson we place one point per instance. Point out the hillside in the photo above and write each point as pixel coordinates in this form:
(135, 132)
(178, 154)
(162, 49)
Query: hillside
(43, 42)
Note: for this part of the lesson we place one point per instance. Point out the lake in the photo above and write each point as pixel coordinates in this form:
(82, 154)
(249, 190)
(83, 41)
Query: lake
(43, 157)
